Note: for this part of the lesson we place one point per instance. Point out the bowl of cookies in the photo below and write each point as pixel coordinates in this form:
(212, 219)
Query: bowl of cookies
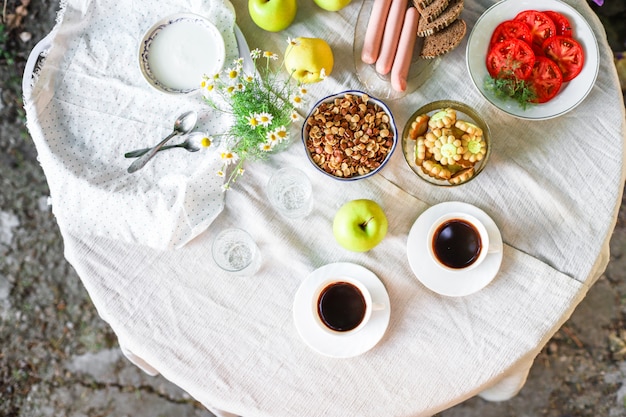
(446, 143)
(349, 136)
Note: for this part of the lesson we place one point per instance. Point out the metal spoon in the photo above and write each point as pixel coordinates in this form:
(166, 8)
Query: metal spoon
(193, 143)
(184, 124)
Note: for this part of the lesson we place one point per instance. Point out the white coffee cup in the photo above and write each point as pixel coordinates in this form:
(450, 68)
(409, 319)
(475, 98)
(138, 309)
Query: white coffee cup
(342, 305)
(459, 242)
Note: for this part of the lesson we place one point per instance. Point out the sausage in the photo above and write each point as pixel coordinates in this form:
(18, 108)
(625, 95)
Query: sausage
(393, 26)
(404, 53)
(375, 30)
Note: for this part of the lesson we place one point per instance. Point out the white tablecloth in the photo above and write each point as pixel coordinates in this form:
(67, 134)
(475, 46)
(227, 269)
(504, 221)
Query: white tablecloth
(553, 187)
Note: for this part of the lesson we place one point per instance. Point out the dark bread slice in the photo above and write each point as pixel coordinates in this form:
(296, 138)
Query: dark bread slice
(422, 3)
(449, 15)
(444, 41)
(433, 10)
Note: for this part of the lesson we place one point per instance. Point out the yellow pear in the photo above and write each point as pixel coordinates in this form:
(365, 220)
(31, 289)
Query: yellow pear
(309, 60)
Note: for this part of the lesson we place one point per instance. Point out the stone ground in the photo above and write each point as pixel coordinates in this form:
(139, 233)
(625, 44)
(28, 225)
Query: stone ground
(58, 358)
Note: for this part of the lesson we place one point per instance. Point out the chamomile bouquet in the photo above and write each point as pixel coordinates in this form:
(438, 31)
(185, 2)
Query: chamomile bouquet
(262, 105)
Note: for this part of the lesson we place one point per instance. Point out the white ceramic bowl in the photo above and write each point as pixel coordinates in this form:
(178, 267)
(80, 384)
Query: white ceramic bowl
(178, 50)
(571, 94)
(379, 106)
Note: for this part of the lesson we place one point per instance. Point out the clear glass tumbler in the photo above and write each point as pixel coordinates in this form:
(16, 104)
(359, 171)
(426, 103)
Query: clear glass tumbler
(290, 192)
(235, 251)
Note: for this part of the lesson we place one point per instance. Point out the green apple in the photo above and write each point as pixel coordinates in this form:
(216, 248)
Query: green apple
(272, 15)
(332, 5)
(309, 60)
(360, 225)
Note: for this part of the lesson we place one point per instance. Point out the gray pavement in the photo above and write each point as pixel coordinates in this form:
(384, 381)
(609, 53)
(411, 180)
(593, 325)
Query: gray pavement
(58, 358)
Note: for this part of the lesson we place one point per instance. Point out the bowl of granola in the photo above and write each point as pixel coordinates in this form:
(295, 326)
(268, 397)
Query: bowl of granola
(349, 135)
(446, 143)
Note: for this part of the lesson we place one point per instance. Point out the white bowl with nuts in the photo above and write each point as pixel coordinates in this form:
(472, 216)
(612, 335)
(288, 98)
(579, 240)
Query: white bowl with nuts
(446, 143)
(349, 135)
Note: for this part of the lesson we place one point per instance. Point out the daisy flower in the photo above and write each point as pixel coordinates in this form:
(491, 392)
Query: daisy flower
(294, 116)
(265, 118)
(229, 157)
(265, 146)
(253, 121)
(220, 173)
(282, 133)
(297, 100)
(255, 53)
(232, 73)
(272, 137)
(270, 55)
(206, 141)
(292, 41)
(207, 86)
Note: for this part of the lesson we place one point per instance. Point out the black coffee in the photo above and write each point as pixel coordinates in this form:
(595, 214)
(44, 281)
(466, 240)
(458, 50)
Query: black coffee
(341, 306)
(456, 243)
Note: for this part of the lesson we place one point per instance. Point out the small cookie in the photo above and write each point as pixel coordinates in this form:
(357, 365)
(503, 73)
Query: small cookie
(419, 126)
(443, 118)
(436, 170)
(461, 176)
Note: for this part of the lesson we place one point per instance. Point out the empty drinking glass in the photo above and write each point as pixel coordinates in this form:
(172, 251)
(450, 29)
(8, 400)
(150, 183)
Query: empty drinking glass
(235, 251)
(290, 192)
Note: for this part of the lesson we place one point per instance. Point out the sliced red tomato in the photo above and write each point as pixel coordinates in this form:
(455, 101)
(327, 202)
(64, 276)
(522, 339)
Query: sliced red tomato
(540, 25)
(546, 79)
(561, 23)
(567, 53)
(511, 29)
(510, 58)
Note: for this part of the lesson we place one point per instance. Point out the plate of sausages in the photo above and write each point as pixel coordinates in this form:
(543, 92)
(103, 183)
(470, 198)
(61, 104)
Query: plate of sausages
(387, 50)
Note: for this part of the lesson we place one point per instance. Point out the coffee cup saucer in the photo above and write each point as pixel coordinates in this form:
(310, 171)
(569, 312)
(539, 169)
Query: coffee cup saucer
(341, 345)
(433, 276)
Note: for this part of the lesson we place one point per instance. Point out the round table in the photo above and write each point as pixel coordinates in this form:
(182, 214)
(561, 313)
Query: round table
(552, 187)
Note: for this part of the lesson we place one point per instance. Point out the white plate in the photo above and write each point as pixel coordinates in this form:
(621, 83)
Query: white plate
(348, 345)
(178, 50)
(434, 277)
(571, 94)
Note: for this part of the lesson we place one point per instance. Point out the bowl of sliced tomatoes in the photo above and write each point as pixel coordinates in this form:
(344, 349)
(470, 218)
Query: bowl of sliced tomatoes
(533, 59)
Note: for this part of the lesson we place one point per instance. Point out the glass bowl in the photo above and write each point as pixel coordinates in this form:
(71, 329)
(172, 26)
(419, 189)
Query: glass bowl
(473, 152)
(349, 136)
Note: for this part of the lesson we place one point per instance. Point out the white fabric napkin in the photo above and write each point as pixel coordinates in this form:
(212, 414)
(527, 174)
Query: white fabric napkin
(86, 111)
